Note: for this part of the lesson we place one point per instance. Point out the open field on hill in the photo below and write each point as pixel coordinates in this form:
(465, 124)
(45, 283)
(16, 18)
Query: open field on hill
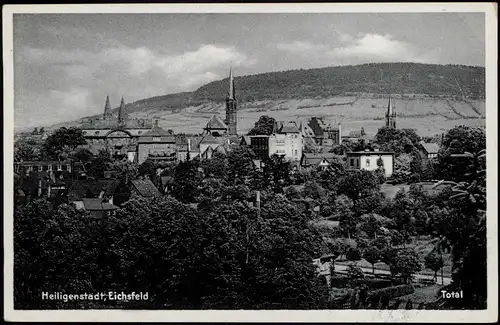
(428, 116)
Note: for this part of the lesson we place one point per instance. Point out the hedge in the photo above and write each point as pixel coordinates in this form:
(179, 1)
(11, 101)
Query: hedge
(376, 283)
(393, 292)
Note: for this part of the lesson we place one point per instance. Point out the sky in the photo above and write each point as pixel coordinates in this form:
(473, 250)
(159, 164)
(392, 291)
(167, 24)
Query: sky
(66, 64)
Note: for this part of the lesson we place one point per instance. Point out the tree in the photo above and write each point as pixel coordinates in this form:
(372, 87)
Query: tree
(125, 169)
(372, 255)
(405, 264)
(264, 126)
(434, 261)
(62, 143)
(416, 168)
(277, 172)
(397, 140)
(99, 164)
(380, 171)
(342, 212)
(240, 166)
(402, 169)
(457, 154)
(25, 150)
(358, 183)
(84, 155)
(313, 190)
(217, 166)
(186, 181)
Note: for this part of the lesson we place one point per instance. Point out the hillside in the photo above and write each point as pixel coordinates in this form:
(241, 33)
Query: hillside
(429, 97)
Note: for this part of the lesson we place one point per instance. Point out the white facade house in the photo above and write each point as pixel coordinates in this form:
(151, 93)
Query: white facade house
(367, 160)
(286, 140)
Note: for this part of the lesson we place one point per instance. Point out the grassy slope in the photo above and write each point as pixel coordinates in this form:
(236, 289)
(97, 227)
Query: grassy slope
(298, 94)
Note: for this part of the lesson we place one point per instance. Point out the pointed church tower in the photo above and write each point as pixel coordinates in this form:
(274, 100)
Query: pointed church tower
(390, 115)
(122, 113)
(231, 106)
(107, 109)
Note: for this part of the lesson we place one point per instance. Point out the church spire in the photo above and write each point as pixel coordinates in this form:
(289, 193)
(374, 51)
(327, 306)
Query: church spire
(231, 94)
(390, 115)
(122, 113)
(107, 109)
(231, 106)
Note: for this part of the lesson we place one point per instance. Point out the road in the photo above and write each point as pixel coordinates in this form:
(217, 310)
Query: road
(342, 268)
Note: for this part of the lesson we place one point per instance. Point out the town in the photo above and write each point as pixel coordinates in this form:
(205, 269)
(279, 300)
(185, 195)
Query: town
(352, 221)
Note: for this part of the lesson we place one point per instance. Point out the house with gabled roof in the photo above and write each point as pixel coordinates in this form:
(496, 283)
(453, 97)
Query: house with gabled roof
(215, 126)
(286, 140)
(322, 160)
(428, 151)
(144, 188)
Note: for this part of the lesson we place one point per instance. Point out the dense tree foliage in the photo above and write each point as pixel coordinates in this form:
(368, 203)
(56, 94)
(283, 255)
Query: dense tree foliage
(264, 126)
(62, 143)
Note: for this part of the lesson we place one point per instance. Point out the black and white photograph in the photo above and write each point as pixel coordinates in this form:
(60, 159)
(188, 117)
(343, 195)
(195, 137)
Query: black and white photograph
(250, 162)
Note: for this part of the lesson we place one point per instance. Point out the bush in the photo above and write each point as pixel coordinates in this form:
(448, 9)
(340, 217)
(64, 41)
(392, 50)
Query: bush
(338, 281)
(393, 292)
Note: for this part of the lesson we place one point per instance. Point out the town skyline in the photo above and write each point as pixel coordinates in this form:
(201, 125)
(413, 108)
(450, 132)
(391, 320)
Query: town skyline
(68, 63)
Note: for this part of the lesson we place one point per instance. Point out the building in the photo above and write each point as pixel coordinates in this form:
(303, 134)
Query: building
(144, 188)
(98, 207)
(157, 144)
(322, 160)
(355, 135)
(324, 133)
(231, 107)
(215, 126)
(117, 135)
(286, 140)
(390, 115)
(428, 151)
(367, 160)
(103, 189)
(258, 144)
(53, 168)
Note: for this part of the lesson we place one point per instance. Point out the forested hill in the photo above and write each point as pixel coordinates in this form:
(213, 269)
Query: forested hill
(377, 78)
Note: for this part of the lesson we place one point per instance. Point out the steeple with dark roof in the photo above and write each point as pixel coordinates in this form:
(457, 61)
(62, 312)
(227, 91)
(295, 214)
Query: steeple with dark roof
(390, 115)
(107, 109)
(231, 106)
(122, 113)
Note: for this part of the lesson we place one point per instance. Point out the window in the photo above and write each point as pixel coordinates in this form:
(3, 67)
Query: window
(96, 133)
(351, 162)
(40, 168)
(59, 168)
(357, 163)
(156, 138)
(296, 152)
(140, 132)
(367, 162)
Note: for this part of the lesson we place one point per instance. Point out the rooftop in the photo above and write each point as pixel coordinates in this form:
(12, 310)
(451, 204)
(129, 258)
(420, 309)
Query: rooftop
(430, 147)
(370, 153)
(145, 187)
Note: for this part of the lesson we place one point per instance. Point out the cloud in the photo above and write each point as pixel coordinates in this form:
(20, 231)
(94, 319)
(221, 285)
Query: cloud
(365, 48)
(79, 80)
